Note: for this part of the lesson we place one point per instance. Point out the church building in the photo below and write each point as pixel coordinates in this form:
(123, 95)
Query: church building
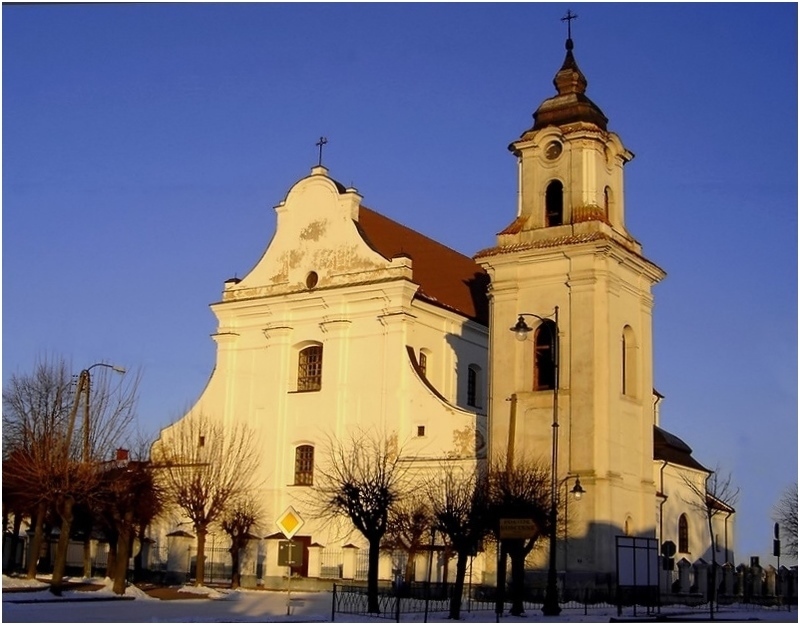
(351, 321)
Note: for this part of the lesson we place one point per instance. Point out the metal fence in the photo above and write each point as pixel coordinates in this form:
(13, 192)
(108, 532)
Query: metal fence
(331, 563)
(218, 565)
(419, 598)
(362, 565)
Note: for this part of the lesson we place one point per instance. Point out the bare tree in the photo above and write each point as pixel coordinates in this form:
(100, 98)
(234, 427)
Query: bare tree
(51, 468)
(129, 498)
(35, 412)
(409, 522)
(240, 517)
(459, 504)
(206, 467)
(362, 480)
(785, 515)
(714, 496)
(108, 411)
(519, 491)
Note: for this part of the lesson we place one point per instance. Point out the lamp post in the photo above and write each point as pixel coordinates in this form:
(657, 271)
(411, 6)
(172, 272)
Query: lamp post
(84, 383)
(83, 386)
(550, 607)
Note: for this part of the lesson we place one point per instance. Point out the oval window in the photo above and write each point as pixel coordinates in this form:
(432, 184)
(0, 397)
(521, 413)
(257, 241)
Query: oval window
(311, 279)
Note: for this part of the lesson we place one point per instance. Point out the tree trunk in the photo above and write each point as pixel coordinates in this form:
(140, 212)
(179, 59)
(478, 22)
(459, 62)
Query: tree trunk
(446, 557)
(7, 546)
(200, 569)
(111, 561)
(87, 555)
(501, 578)
(36, 543)
(236, 578)
(458, 587)
(13, 541)
(123, 554)
(138, 565)
(60, 564)
(408, 575)
(517, 554)
(373, 605)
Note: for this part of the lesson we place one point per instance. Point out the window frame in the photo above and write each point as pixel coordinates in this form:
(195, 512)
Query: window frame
(304, 465)
(630, 363)
(544, 364)
(422, 361)
(472, 387)
(309, 369)
(683, 534)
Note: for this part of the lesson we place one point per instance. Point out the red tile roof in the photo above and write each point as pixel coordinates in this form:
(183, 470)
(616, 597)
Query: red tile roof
(446, 278)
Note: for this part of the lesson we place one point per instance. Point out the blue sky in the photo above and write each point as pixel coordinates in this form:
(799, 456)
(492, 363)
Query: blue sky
(144, 146)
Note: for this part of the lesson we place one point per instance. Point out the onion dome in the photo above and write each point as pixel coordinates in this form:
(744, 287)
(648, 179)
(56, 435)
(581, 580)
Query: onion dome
(570, 105)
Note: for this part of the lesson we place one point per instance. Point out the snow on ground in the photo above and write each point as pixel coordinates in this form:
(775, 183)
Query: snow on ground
(250, 606)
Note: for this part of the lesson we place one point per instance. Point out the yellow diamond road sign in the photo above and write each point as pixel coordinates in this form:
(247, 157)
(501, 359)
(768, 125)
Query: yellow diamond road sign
(289, 522)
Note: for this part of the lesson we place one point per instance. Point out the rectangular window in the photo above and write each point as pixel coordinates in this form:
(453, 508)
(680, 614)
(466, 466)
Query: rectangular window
(544, 374)
(472, 387)
(304, 465)
(420, 430)
(309, 369)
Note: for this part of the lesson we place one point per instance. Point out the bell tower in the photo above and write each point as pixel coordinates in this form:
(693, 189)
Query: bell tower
(568, 249)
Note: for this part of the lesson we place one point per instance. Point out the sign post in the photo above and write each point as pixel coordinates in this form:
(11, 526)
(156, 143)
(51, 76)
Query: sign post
(509, 529)
(517, 528)
(289, 523)
(637, 570)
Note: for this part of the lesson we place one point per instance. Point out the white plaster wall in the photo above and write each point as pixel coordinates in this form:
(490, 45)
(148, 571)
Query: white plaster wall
(363, 312)
(680, 499)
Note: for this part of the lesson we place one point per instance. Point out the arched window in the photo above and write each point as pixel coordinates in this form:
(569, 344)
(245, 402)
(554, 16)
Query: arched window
(683, 534)
(607, 199)
(544, 365)
(309, 369)
(554, 204)
(304, 465)
(423, 363)
(473, 379)
(629, 362)
(628, 526)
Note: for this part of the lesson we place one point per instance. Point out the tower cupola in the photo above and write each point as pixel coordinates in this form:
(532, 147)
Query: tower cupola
(570, 167)
(570, 104)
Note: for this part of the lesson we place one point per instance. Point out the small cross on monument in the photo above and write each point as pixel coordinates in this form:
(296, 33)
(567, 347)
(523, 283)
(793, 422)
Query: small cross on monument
(568, 19)
(322, 141)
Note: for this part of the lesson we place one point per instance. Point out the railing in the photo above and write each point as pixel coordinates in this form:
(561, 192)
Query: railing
(420, 597)
(331, 563)
(362, 565)
(218, 565)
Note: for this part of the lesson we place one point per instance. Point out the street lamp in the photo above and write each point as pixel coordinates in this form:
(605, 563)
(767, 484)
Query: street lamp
(84, 383)
(577, 492)
(521, 330)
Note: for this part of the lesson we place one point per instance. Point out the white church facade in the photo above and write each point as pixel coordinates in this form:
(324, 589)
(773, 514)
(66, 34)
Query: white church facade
(351, 321)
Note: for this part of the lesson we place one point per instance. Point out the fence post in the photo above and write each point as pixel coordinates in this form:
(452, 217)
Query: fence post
(585, 601)
(397, 607)
(333, 604)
